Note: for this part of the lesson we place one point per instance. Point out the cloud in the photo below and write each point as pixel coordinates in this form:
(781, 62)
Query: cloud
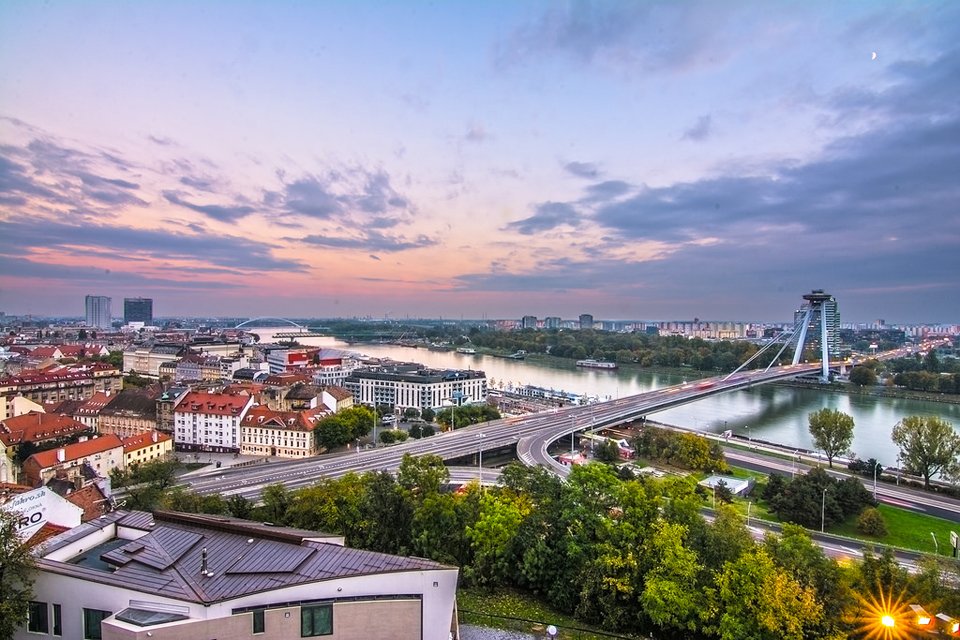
(607, 190)
(196, 182)
(549, 215)
(583, 170)
(162, 141)
(220, 213)
(647, 36)
(311, 196)
(369, 241)
(476, 133)
(701, 130)
(19, 236)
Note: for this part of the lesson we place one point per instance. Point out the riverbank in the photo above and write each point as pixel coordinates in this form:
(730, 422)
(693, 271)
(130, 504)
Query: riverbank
(872, 392)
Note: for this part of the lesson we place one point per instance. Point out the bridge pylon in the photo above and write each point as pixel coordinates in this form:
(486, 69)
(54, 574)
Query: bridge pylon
(820, 315)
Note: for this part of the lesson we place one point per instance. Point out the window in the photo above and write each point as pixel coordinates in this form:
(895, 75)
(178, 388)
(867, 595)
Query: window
(91, 623)
(316, 620)
(57, 621)
(259, 624)
(37, 617)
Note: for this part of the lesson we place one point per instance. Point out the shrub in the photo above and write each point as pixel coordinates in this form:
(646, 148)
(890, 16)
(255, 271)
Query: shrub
(871, 523)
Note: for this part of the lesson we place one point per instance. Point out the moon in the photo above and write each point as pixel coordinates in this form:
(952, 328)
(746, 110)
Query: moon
(873, 55)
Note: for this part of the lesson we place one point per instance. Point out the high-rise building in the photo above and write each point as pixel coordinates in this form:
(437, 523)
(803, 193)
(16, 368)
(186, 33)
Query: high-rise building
(98, 311)
(528, 322)
(551, 322)
(586, 321)
(138, 310)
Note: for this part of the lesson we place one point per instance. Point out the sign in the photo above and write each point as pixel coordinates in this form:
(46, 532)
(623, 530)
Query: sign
(37, 507)
(953, 539)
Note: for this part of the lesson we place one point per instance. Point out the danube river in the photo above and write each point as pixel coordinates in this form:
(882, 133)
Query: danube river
(768, 412)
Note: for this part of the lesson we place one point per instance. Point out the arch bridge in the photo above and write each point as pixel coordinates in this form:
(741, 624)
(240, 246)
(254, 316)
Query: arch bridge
(272, 318)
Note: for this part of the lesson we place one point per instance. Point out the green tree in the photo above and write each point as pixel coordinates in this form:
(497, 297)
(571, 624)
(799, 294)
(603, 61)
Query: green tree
(276, 500)
(608, 452)
(759, 601)
(832, 431)
(16, 581)
(871, 523)
(422, 476)
(863, 376)
(928, 446)
(671, 596)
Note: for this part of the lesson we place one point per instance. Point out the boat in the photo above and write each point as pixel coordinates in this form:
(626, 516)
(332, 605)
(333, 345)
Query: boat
(467, 350)
(590, 363)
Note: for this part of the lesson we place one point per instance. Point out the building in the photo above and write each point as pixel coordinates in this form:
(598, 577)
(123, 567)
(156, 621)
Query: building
(528, 322)
(102, 455)
(166, 403)
(56, 384)
(552, 322)
(209, 421)
(132, 412)
(98, 312)
(131, 575)
(286, 434)
(89, 412)
(40, 428)
(405, 386)
(146, 447)
(586, 321)
(336, 398)
(138, 310)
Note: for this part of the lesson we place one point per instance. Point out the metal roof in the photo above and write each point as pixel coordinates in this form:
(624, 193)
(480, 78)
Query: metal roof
(207, 559)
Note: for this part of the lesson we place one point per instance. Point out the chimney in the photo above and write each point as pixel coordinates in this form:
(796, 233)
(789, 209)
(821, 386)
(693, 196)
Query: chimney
(203, 561)
(153, 436)
(61, 454)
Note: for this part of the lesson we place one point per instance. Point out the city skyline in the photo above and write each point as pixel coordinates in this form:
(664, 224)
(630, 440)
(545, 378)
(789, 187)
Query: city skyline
(630, 160)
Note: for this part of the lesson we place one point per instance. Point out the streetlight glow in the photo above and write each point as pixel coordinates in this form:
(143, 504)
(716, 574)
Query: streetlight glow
(887, 620)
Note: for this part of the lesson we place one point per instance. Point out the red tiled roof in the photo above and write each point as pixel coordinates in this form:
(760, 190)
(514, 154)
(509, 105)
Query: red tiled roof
(47, 459)
(95, 403)
(219, 404)
(36, 427)
(45, 352)
(44, 533)
(338, 393)
(144, 440)
(265, 417)
(92, 500)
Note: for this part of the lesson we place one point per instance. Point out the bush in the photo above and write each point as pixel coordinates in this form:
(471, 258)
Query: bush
(871, 523)
(393, 435)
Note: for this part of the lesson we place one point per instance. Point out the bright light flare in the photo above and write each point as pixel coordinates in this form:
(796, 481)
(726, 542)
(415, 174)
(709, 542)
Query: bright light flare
(880, 616)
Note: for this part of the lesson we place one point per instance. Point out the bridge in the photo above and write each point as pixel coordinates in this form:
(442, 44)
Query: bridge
(272, 319)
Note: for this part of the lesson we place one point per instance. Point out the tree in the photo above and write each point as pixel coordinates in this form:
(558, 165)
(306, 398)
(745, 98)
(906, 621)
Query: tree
(928, 446)
(863, 376)
(16, 582)
(608, 451)
(871, 523)
(428, 414)
(832, 431)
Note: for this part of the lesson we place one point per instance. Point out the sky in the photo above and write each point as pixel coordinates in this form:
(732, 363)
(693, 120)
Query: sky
(632, 160)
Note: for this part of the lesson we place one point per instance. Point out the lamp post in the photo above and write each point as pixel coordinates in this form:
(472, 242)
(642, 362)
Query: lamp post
(747, 427)
(898, 469)
(823, 509)
(876, 465)
(480, 437)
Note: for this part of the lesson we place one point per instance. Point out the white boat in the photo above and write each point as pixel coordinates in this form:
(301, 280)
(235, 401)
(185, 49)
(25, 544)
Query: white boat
(590, 363)
(467, 350)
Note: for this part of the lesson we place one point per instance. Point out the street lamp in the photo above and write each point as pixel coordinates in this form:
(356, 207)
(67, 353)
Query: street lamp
(823, 508)
(876, 465)
(898, 469)
(480, 437)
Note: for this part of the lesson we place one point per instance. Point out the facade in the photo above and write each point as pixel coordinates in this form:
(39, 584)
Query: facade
(586, 321)
(132, 575)
(406, 386)
(209, 421)
(336, 398)
(528, 322)
(166, 403)
(820, 302)
(77, 382)
(101, 454)
(146, 447)
(98, 312)
(551, 322)
(138, 310)
(132, 412)
(89, 412)
(285, 434)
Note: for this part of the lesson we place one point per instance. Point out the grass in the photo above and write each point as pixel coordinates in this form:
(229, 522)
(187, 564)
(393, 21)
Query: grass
(905, 528)
(484, 607)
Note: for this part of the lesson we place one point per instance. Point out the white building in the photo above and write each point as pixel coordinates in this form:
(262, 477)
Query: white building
(209, 421)
(174, 576)
(98, 312)
(408, 385)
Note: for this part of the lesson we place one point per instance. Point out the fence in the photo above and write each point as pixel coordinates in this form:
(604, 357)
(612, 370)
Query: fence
(537, 629)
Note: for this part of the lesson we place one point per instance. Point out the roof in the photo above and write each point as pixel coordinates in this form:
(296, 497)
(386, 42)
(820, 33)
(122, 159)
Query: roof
(47, 459)
(91, 499)
(37, 427)
(213, 404)
(303, 392)
(94, 404)
(144, 440)
(242, 557)
(264, 417)
(132, 402)
(338, 393)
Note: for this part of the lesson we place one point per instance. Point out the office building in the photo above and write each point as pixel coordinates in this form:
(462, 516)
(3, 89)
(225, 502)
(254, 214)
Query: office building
(586, 321)
(528, 322)
(138, 310)
(98, 312)
(409, 385)
(551, 322)
(819, 303)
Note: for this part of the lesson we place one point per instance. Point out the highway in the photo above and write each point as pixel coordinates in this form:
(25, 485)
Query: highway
(531, 435)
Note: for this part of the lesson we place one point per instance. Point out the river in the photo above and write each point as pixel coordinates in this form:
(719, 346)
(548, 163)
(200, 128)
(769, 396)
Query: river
(768, 412)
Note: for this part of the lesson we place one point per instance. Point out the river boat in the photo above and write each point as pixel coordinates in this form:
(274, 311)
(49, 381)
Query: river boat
(590, 363)
(467, 350)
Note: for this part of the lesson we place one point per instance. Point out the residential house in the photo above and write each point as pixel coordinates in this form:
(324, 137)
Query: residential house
(210, 421)
(285, 434)
(102, 455)
(132, 575)
(131, 412)
(146, 447)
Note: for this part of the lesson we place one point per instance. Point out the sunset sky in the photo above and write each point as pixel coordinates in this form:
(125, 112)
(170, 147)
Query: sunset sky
(633, 160)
